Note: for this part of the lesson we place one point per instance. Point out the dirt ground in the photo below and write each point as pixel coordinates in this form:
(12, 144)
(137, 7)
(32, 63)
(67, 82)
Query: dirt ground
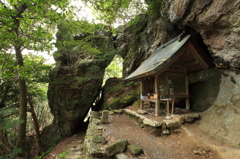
(65, 144)
(190, 143)
(175, 146)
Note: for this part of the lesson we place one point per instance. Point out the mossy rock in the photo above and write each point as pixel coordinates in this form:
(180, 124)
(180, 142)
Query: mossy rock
(135, 150)
(118, 94)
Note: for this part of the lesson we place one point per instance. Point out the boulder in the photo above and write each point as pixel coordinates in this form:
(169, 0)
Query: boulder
(172, 124)
(140, 111)
(122, 156)
(98, 139)
(118, 111)
(76, 81)
(134, 149)
(151, 122)
(117, 147)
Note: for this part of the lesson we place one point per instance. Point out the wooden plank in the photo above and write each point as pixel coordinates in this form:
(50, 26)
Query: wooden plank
(197, 56)
(176, 74)
(174, 70)
(194, 62)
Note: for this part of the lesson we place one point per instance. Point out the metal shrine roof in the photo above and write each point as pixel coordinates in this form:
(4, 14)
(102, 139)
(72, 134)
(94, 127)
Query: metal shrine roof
(159, 59)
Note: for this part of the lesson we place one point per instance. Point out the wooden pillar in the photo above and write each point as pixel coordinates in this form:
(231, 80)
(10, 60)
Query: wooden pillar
(187, 93)
(157, 103)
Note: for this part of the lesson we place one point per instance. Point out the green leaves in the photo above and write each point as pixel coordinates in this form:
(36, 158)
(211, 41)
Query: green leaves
(111, 11)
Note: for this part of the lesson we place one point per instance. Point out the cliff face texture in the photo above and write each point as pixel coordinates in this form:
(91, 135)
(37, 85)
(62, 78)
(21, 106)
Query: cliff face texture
(218, 22)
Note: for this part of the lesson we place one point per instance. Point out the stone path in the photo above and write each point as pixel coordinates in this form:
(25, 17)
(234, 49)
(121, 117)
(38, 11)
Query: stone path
(75, 151)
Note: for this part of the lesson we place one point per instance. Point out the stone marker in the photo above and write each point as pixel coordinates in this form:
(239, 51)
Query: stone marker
(104, 117)
(117, 147)
(121, 156)
(134, 149)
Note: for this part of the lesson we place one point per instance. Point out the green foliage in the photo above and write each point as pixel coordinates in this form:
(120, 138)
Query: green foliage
(11, 155)
(136, 104)
(114, 69)
(80, 40)
(62, 154)
(155, 7)
(111, 11)
(44, 153)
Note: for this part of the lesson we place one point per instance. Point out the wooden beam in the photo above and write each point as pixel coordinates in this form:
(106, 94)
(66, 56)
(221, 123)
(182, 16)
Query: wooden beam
(175, 70)
(197, 56)
(176, 74)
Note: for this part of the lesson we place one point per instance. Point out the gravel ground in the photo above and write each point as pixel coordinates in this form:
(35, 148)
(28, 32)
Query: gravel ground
(175, 146)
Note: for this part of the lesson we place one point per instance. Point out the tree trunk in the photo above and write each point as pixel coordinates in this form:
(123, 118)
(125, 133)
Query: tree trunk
(4, 97)
(36, 124)
(23, 103)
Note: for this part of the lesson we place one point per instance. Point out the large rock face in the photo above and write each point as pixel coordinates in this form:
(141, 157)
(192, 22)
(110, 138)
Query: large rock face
(204, 87)
(222, 119)
(75, 82)
(218, 22)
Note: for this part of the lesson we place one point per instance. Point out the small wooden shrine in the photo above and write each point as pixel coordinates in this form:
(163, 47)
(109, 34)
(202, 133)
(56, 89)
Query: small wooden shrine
(164, 75)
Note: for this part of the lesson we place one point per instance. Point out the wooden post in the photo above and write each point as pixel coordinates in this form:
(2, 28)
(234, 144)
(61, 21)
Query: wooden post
(141, 86)
(157, 103)
(172, 106)
(187, 93)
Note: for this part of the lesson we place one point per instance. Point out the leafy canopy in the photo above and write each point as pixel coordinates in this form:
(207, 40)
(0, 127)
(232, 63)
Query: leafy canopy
(112, 11)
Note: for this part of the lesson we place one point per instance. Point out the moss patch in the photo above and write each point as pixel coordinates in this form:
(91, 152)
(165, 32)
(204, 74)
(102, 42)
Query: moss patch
(119, 94)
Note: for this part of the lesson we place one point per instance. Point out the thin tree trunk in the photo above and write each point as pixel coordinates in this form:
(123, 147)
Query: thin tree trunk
(36, 124)
(4, 97)
(23, 103)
